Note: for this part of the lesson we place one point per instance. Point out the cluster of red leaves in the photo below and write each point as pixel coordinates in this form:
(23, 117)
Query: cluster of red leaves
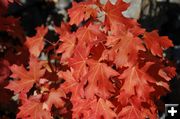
(108, 68)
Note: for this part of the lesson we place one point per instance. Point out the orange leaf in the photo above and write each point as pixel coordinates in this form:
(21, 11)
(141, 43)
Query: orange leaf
(104, 108)
(26, 78)
(55, 98)
(81, 11)
(33, 109)
(124, 49)
(134, 84)
(36, 43)
(155, 43)
(78, 62)
(98, 79)
(90, 34)
(67, 47)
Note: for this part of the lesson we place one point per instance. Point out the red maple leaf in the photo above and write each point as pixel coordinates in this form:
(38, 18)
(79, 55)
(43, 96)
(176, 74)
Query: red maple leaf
(134, 84)
(90, 34)
(167, 73)
(103, 108)
(32, 108)
(70, 82)
(135, 110)
(155, 43)
(35, 44)
(24, 80)
(114, 16)
(67, 47)
(83, 108)
(124, 49)
(71, 85)
(79, 61)
(98, 79)
(55, 98)
(81, 11)
(65, 28)
(93, 109)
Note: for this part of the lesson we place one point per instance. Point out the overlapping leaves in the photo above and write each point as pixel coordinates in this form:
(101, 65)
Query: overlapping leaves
(105, 67)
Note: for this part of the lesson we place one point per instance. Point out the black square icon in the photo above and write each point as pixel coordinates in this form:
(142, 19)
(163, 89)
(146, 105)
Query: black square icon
(172, 111)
